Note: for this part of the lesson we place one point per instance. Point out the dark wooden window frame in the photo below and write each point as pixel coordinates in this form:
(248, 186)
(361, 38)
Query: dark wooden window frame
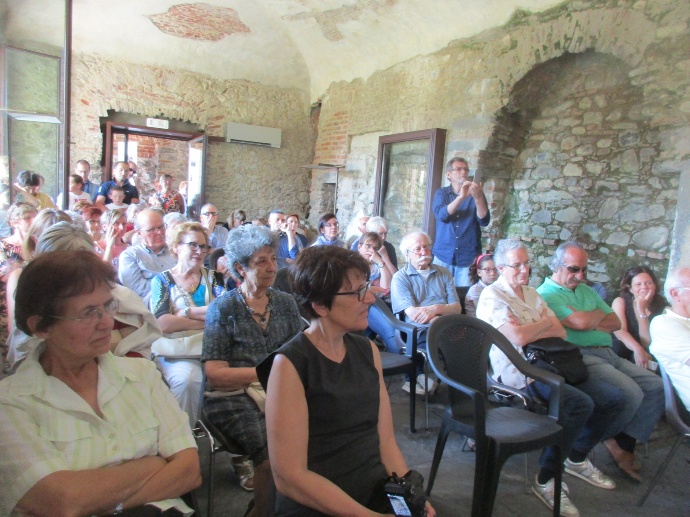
(435, 159)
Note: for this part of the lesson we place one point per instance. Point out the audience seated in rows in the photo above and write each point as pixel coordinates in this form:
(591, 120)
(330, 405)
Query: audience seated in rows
(242, 328)
(670, 333)
(520, 314)
(135, 327)
(589, 322)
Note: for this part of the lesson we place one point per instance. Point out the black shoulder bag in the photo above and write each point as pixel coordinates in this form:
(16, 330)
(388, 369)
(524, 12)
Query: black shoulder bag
(558, 356)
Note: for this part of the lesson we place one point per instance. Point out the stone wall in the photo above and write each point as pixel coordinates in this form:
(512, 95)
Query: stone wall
(255, 179)
(615, 135)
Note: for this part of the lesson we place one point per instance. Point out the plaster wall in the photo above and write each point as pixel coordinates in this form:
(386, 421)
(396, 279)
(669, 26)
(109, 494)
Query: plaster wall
(465, 87)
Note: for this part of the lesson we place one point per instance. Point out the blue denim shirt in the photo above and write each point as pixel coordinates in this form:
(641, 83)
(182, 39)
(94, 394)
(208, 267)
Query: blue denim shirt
(458, 235)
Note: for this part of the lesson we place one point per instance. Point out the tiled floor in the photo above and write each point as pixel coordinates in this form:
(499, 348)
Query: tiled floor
(452, 494)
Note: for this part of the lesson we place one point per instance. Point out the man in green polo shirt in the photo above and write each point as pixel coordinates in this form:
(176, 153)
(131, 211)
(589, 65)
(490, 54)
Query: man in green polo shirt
(589, 322)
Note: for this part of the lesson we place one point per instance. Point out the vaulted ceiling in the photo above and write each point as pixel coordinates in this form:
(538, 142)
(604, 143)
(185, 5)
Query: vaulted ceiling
(304, 44)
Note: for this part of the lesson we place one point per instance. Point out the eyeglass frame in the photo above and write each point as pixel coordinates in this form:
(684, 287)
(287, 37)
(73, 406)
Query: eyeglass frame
(520, 266)
(417, 251)
(489, 269)
(209, 214)
(360, 297)
(192, 245)
(152, 230)
(110, 308)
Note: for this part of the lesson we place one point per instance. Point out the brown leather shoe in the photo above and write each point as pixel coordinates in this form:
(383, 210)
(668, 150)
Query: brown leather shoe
(625, 460)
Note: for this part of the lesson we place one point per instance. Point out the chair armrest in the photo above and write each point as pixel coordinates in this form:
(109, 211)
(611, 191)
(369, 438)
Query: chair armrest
(555, 382)
(400, 326)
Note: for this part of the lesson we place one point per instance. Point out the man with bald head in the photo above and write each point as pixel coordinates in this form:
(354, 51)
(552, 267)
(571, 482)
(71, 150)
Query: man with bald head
(139, 264)
(588, 322)
(670, 333)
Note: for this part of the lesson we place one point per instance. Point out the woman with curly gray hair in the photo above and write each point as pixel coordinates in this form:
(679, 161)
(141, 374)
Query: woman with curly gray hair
(242, 328)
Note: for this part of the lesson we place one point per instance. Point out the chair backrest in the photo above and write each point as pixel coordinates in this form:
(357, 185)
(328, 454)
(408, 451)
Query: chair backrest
(462, 294)
(458, 349)
(213, 258)
(676, 412)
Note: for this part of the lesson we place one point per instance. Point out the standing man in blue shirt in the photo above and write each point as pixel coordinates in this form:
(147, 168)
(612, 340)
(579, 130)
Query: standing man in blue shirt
(461, 210)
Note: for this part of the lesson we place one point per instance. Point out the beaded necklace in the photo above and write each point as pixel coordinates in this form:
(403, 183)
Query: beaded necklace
(263, 317)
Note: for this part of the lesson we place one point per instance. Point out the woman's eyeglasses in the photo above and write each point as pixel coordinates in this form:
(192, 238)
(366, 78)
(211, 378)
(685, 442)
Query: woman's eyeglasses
(489, 269)
(361, 293)
(92, 316)
(195, 246)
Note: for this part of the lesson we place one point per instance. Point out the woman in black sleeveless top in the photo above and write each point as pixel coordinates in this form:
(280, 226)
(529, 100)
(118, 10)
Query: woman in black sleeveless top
(328, 417)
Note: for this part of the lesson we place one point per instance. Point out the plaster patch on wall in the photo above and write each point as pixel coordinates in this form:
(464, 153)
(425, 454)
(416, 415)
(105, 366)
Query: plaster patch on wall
(330, 19)
(199, 21)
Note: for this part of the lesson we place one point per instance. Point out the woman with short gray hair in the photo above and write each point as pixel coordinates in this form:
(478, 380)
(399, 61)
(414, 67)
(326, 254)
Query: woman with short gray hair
(242, 328)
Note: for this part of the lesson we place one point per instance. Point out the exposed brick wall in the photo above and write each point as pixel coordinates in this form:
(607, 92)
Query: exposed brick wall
(199, 21)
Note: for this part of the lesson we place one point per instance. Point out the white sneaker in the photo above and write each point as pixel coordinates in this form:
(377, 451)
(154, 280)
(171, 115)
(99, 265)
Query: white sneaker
(406, 386)
(431, 385)
(588, 472)
(545, 493)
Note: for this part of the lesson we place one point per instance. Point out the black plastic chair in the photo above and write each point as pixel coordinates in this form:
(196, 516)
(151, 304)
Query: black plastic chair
(679, 418)
(395, 364)
(458, 349)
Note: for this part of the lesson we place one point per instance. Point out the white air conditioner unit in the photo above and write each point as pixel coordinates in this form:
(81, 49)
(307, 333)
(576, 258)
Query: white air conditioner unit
(254, 135)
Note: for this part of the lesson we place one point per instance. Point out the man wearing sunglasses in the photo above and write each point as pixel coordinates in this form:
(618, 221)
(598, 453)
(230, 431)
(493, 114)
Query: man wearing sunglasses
(589, 322)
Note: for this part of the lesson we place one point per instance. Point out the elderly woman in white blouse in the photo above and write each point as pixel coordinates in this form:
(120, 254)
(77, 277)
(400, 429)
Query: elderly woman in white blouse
(85, 432)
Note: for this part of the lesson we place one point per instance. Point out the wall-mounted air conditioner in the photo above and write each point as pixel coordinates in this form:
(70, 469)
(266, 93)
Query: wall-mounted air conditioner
(254, 135)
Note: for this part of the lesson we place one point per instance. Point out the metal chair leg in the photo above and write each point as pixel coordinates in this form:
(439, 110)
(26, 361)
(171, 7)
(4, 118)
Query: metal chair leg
(661, 470)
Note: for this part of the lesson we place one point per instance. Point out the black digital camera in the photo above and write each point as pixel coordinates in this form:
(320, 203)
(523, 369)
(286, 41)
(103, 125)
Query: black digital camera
(406, 494)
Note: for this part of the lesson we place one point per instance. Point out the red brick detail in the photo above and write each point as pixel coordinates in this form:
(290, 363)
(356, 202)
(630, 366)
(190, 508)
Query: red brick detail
(199, 21)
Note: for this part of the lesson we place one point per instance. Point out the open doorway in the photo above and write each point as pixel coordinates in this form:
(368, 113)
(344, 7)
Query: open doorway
(158, 151)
